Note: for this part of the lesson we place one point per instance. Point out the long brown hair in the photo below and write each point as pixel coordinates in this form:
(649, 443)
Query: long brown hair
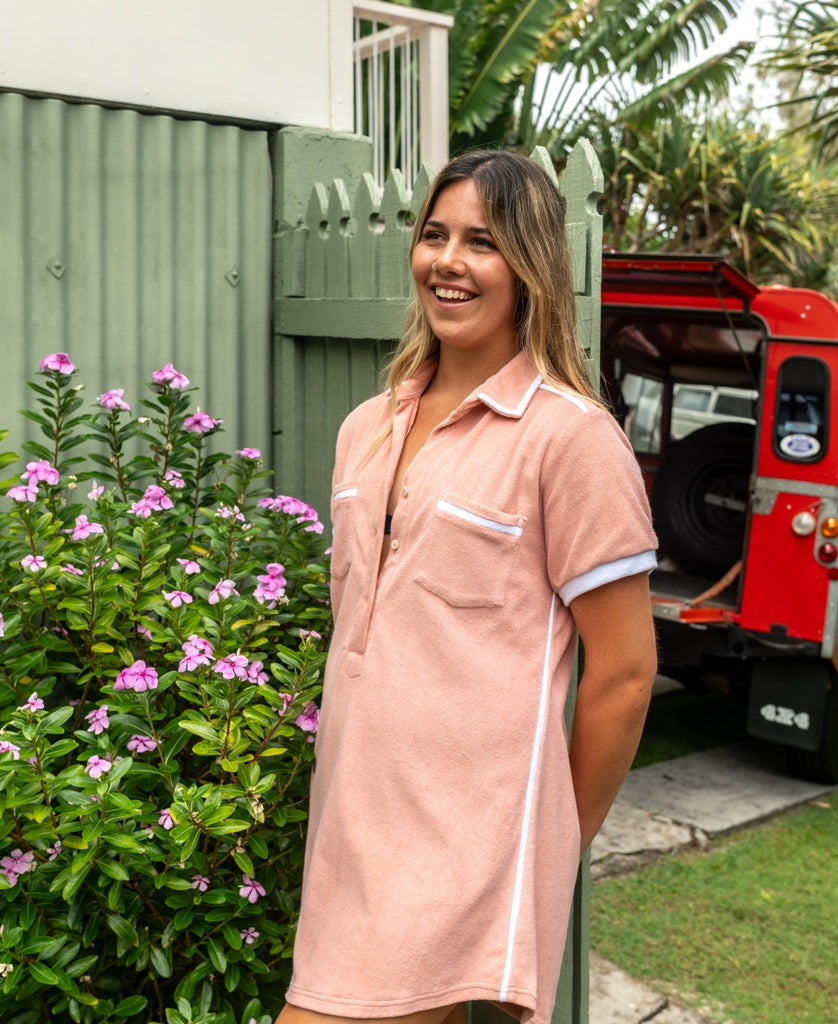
(525, 215)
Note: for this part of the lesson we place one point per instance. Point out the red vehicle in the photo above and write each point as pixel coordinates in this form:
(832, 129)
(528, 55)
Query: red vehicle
(729, 394)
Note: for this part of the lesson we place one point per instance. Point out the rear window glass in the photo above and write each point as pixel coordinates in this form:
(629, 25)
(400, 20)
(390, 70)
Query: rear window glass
(802, 413)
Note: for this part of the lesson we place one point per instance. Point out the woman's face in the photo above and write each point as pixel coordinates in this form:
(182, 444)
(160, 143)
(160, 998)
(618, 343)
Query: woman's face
(467, 289)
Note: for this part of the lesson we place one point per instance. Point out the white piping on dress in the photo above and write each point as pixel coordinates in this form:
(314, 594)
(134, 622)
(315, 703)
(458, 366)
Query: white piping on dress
(347, 492)
(476, 520)
(528, 804)
(580, 403)
(519, 408)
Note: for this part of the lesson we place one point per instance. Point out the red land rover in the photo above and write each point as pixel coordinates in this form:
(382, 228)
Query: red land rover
(729, 394)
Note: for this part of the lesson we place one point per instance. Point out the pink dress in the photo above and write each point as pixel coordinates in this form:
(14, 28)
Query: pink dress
(443, 841)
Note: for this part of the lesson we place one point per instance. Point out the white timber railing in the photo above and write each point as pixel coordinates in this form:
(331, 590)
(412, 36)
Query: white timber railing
(401, 86)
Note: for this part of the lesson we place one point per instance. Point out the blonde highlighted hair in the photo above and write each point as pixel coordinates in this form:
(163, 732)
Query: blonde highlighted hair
(525, 215)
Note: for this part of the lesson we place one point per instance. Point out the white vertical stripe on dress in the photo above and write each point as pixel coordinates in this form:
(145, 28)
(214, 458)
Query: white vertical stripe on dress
(525, 824)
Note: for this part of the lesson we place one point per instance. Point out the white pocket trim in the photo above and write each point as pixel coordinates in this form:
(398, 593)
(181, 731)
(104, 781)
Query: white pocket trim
(347, 492)
(476, 520)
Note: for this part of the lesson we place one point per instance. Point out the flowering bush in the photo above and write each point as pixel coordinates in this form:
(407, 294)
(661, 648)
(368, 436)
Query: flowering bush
(161, 646)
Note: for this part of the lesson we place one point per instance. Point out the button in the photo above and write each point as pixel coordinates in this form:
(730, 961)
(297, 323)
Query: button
(394, 544)
(404, 491)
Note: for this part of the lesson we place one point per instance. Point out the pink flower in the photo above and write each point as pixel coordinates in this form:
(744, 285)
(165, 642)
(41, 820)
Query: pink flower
(189, 567)
(233, 666)
(249, 453)
(138, 677)
(97, 766)
(309, 719)
(173, 479)
(200, 882)
(255, 673)
(2, 625)
(251, 890)
(54, 851)
(7, 747)
(229, 513)
(249, 935)
(166, 819)
(201, 423)
(23, 492)
(69, 567)
(169, 375)
(309, 634)
(42, 471)
(17, 863)
(294, 507)
(34, 703)
(58, 362)
(84, 528)
(113, 400)
(33, 562)
(96, 491)
(98, 719)
(144, 632)
(177, 597)
(222, 590)
(155, 499)
(141, 744)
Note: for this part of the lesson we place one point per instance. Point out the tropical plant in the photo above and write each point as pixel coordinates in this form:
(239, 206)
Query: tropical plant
(160, 664)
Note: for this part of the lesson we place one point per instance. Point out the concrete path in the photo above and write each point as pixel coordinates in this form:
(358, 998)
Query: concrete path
(664, 807)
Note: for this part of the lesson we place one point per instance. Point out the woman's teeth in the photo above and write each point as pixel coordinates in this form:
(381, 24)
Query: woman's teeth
(452, 293)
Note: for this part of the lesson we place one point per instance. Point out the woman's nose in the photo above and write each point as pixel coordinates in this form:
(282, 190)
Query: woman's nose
(449, 260)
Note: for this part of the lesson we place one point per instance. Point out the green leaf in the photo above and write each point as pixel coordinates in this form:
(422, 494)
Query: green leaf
(243, 862)
(123, 929)
(43, 974)
(128, 1007)
(203, 729)
(113, 869)
(216, 954)
(160, 962)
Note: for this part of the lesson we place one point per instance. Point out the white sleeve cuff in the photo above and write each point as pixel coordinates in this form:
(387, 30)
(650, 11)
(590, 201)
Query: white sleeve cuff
(602, 574)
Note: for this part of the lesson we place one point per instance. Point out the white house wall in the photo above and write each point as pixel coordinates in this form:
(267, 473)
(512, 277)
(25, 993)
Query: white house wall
(269, 61)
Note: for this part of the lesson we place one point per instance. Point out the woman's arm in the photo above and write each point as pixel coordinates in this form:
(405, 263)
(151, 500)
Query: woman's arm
(616, 628)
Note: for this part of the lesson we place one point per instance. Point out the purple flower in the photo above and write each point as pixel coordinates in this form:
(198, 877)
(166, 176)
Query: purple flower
(229, 513)
(294, 507)
(7, 747)
(141, 744)
(58, 362)
(84, 529)
(271, 585)
(34, 703)
(113, 400)
(54, 851)
(249, 453)
(222, 590)
(249, 935)
(251, 890)
(98, 719)
(201, 423)
(173, 479)
(189, 567)
(23, 492)
(309, 719)
(197, 651)
(309, 634)
(138, 677)
(177, 597)
(166, 819)
(2, 625)
(69, 567)
(169, 375)
(255, 673)
(143, 631)
(200, 882)
(97, 766)
(42, 471)
(33, 562)
(96, 491)
(233, 666)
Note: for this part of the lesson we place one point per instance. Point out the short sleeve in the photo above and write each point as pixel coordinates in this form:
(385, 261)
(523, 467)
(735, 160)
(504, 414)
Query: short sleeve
(597, 523)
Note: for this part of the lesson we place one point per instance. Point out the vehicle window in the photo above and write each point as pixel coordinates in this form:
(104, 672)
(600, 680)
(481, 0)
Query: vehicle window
(800, 422)
(691, 398)
(644, 398)
(735, 406)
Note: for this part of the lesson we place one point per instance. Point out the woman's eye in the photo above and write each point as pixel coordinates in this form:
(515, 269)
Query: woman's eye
(430, 235)
(484, 243)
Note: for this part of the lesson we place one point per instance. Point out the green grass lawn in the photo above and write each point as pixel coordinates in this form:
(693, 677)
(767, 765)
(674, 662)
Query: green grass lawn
(749, 927)
(683, 722)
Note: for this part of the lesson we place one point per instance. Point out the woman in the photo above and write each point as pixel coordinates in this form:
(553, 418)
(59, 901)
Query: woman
(486, 511)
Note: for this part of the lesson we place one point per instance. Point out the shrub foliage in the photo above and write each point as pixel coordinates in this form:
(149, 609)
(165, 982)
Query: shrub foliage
(163, 624)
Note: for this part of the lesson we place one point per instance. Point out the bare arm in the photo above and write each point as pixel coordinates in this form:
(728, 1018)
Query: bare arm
(616, 629)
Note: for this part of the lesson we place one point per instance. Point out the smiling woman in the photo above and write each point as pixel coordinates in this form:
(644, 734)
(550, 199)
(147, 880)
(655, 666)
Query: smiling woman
(476, 536)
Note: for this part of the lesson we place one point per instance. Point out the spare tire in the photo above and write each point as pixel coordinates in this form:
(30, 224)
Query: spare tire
(700, 497)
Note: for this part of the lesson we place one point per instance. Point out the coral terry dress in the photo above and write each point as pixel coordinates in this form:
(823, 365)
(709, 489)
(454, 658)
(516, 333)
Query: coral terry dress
(443, 840)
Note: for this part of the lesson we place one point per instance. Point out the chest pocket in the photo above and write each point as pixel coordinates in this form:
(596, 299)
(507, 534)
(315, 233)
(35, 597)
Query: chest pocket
(468, 552)
(344, 504)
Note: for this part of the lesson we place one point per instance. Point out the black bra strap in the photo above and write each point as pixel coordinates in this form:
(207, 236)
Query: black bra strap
(388, 522)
